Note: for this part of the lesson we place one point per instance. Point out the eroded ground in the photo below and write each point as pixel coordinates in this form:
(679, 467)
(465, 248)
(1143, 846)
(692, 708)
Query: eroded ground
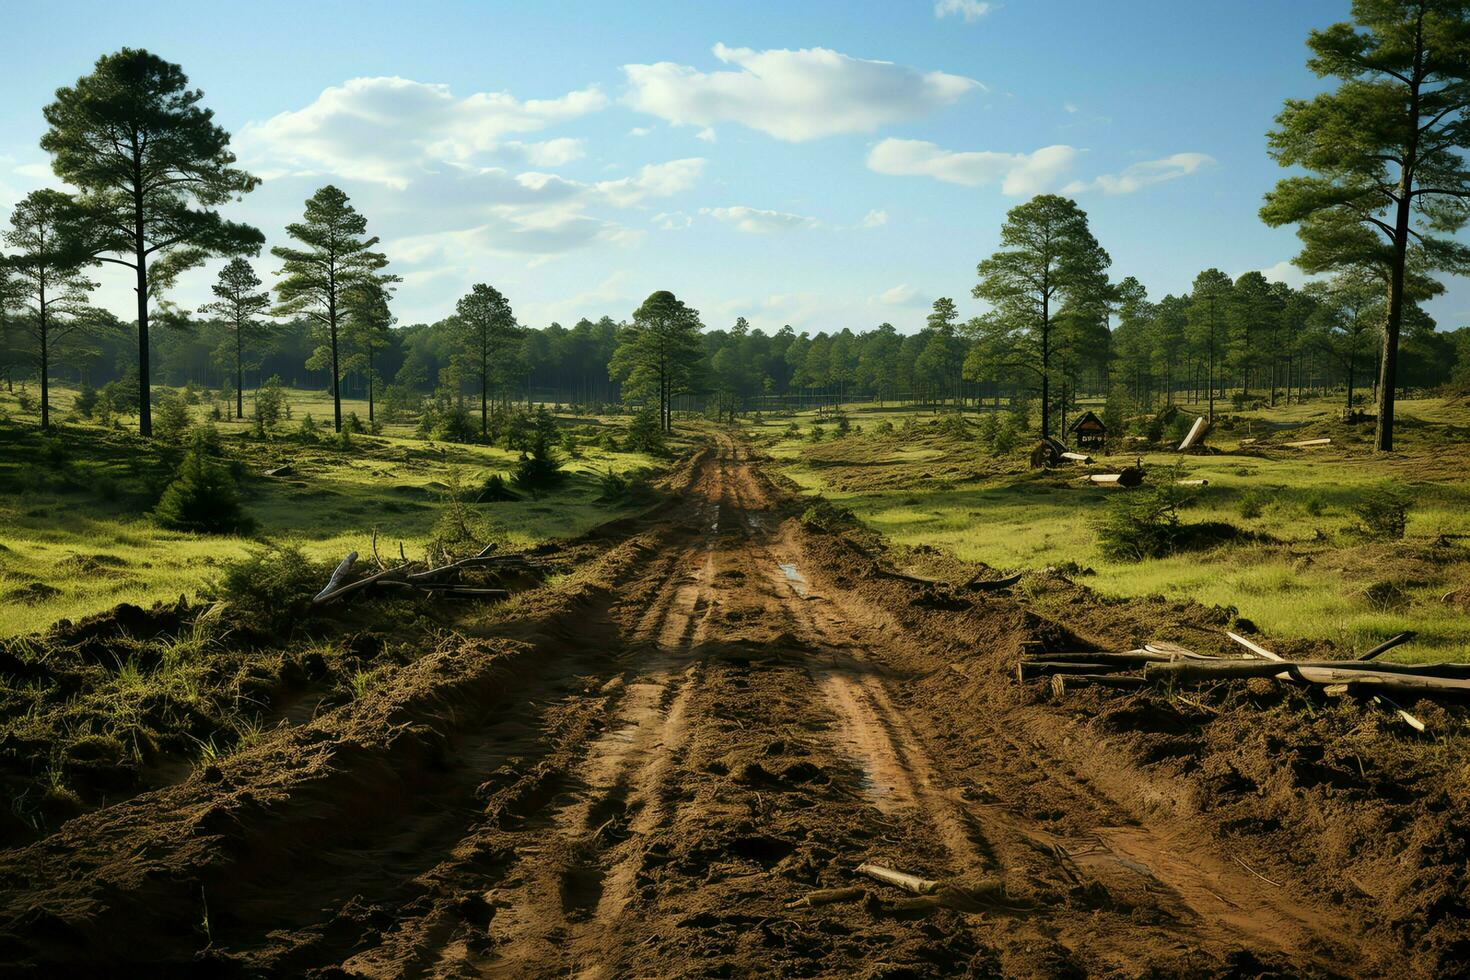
(649, 768)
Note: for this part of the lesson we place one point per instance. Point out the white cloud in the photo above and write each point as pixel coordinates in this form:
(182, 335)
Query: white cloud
(386, 129)
(901, 295)
(672, 220)
(792, 95)
(874, 219)
(640, 131)
(971, 10)
(654, 180)
(1287, 273)
(756, 221)
(1019, 174)
(1070, 107)
(1141, 175)
(707, 134)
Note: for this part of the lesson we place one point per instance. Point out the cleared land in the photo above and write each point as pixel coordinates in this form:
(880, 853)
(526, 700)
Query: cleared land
(1307, 573)
(664, 760)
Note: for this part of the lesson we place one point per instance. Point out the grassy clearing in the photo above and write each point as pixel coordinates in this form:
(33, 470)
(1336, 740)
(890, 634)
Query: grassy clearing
(76, 536)
(1310, 575)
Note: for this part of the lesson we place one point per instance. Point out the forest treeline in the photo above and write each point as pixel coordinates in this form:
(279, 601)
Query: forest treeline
(1377, 195)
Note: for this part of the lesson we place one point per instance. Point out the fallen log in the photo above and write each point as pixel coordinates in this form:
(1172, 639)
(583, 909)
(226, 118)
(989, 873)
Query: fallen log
(1135, 658)
(1192, 483)
(1130, 477)
(1062, 683)
(1028, 669)
(1389, 644)
(899, 879)
(1196, 433)
(1307, 443)
(990, 585)
(1077, 457)
(828, 896)
(1445, 675)
(1176, 651)
(1253, 647)
(343, 568)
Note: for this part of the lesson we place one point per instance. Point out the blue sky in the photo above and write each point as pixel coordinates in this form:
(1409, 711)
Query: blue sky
(826, 165)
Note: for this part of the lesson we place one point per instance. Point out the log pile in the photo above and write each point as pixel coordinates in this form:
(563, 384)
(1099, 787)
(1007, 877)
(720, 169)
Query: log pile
(1170, 666)
(442, 580)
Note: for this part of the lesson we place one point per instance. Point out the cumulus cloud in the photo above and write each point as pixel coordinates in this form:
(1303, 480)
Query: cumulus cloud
(654, 180)
(874, 219)
(757, 221)
(1286, 272)
(792, 95)
(1019, 174)
(900, 295)
(640, 131)
(386, 129)
(672, 220)
(970, 10)
(1141, 175)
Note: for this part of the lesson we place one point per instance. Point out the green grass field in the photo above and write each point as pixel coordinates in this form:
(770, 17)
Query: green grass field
(1310, 576)
(76, 536)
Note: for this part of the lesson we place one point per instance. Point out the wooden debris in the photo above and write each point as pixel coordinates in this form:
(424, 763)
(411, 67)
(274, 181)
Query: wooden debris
(278, 471)
(899, 879)
(1389, 644)
(991, 585)
(1132, 476)
(1192, 483)
(333, 583)
(1062, 683)
(828, 896)
(1195, 436)
(1027, 669)
(1077, 457)
(1255, 648)
(1307, 443)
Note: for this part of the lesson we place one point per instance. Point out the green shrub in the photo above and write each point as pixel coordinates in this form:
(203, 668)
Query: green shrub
(1314, 504)
(308, 430)
(793, 431)
(1252, 502)
(645, 435)
(1383, 513)
(352, 424)
(496, 489)
(270, 589)
(539, 465)
(86, 400)
(202, 497)
(1144, 522)
(883, 428)
(613, 487)
(171, 419)
(270, 403)
(460, 531)
(1005, 436)
(816, 434)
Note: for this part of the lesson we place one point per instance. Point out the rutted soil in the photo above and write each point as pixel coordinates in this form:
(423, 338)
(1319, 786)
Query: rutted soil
(651, 767)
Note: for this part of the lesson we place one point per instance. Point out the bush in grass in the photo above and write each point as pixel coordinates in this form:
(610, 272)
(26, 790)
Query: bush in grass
(1179, 427)
(989, 429)
(843, 425)
(953, 424)
(1252, 502)
(1383, 514)
(1004, 441)
(539, 465)
(270, 589)
(816, 434)
(460, 531)
(883, 428)
(1144, 522)
(308, 430)
(613, 487)
(270, 403)
(793, 431)
(645, 435)
(202, 497)
(352, 424)
(171, 419)
(86, 401)
(496, 489)
(1314, 505)
(449, 423)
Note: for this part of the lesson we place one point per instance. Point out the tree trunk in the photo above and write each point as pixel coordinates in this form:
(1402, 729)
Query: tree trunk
(45, 366)
(145, 395)
(239, 374)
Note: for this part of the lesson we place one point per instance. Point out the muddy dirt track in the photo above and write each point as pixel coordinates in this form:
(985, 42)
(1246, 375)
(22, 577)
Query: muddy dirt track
(647, 769)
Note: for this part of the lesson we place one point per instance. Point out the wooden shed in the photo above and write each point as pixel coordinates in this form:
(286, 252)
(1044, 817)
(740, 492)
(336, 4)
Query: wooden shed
(1089, 431)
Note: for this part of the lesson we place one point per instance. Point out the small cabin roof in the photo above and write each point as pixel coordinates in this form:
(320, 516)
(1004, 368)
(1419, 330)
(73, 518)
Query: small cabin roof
(1087, 420)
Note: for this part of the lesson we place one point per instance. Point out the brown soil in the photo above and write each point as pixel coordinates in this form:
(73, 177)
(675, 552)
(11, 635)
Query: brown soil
(647, 768)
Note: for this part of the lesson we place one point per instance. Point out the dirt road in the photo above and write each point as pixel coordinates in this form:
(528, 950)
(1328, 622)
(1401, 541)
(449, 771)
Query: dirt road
(648, 769)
